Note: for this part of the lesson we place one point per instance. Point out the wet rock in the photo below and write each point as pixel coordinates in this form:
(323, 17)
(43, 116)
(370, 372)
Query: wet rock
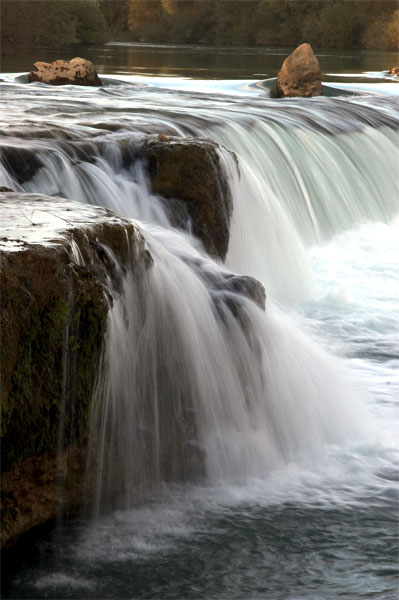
(394, 71)
(56, 257)
(300, 74)
(247, 286)
(5, 189)
(77, 71)
(37, 488)
(21, 163)
(189, 170)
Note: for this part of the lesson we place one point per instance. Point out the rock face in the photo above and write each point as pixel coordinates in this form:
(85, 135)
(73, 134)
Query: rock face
(189, 170)
(300, 74)
(77, 71)
(53, 313)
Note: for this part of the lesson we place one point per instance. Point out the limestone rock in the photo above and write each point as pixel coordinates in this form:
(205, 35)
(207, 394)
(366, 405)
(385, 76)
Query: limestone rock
(300, 74)
(53, 311)
(77, 71)
(188, 171)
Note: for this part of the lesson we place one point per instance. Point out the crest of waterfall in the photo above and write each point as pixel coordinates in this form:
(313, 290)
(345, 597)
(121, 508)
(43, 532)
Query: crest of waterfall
(307, 171)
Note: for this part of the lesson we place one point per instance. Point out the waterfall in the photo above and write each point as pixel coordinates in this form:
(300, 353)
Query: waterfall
(198, 380)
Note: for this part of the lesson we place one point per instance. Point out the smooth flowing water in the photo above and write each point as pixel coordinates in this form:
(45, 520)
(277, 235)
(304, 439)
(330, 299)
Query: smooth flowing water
(296, 413)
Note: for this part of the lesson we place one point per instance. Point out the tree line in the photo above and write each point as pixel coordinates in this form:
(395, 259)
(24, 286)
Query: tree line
(324, 23)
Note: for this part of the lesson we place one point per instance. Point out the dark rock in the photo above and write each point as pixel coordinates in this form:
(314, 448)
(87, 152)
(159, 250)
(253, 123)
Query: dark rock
(77, 71)
(189, 170)
(249, 287)
(20, 163)
(300, 74)
(53, 268)
(5, 189)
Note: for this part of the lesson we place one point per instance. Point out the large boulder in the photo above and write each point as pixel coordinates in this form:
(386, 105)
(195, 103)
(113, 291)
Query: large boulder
(54, 305)
(77, 71)
(300, 74)
(189, 171)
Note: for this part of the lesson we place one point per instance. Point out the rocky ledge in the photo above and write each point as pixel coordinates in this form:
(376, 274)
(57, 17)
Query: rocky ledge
(188, 172)
(58, 262)
(55, 256)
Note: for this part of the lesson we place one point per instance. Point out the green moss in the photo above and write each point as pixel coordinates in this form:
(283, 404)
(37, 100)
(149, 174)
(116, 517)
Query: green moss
(43, 392)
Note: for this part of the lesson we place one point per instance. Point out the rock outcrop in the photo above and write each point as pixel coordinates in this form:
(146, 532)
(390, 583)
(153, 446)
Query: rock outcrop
(300, 74)
(53, 313)
(77, 71)
(189, 171)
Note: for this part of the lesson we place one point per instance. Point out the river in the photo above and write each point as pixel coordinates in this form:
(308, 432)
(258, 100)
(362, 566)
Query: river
(303, 503)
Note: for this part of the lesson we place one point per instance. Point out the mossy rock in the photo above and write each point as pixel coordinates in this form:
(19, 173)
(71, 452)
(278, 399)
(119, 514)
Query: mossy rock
(53, 316)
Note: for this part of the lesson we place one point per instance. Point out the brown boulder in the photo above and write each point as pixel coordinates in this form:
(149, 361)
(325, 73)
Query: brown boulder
(189, 171)
(77, 71)
(394, 71)
(300, 74)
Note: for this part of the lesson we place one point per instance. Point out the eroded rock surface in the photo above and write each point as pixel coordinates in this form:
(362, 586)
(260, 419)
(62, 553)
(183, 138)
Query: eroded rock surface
(189, 171)
(55, 256)
(300, 74)
(77, 71)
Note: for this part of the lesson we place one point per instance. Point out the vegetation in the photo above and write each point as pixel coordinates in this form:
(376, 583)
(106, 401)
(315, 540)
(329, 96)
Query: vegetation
(324, 23)
(51, 23)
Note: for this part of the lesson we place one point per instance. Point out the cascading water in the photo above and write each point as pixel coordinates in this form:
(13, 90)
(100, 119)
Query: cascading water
(197, 379)
(303, 176)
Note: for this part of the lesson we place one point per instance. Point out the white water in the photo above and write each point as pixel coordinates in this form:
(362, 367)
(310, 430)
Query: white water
(280, 422)
(262, 392)
(181, 371)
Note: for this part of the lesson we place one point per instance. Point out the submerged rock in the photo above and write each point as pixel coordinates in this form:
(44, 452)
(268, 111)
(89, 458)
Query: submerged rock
(189, 171)
(77, 71)
(56, 257)
(247, 286)
(300, 74)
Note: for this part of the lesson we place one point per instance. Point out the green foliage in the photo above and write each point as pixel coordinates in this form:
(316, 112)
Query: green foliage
(323, 23)
(89, 22)
(116, 15)
(337, 25)
(51, 23)
(57, 24)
